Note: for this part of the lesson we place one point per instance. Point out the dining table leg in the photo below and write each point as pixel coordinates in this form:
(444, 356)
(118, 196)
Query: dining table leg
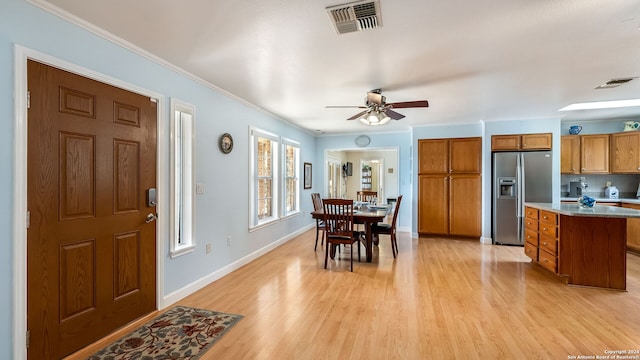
(369, 241)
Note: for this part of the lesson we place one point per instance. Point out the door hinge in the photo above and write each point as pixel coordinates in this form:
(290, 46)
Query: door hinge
(28, 99)
(28, 218)
(28, 336)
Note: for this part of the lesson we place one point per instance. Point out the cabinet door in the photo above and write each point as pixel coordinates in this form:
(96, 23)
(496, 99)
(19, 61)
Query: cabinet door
(433, 204)
(570, 154)
(464, 155)
(465, 205)
(633, 230)
(433, 156)
(536, 141)
(625, 153)
(505, 142)
(594, 154)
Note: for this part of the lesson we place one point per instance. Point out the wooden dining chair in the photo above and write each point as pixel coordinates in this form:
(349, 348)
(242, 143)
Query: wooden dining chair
(338, 219)
(317, 205)
(388, 229)
(366, 195)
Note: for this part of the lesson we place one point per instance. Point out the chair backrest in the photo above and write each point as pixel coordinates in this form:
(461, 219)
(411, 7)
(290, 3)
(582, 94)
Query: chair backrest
(338, 217)
(366, 195)
(395, 212)
(317, 201)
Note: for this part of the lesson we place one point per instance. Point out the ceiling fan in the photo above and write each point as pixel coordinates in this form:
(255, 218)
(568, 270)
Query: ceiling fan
(378, 111)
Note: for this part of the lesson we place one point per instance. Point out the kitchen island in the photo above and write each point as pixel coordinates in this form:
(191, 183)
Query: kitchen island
(586, 246)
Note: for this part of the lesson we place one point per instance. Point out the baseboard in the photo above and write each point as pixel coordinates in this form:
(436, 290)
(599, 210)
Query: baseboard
(189, 289)
(486, 240)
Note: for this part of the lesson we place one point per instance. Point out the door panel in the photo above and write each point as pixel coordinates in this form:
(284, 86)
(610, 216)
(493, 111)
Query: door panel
(90, 255)
(433, 208)
(465, 205)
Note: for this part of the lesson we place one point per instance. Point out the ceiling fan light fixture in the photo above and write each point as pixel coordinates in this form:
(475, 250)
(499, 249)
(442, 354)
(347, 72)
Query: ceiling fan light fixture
(375, 118)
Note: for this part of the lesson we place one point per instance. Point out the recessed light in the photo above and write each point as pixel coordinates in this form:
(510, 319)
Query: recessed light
(601, 105)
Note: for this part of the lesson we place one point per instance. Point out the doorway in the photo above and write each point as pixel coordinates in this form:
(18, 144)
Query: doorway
(384, 160)
(91, 254)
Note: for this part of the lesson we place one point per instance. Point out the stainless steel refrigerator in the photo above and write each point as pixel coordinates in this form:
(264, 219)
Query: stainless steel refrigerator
(518, 177)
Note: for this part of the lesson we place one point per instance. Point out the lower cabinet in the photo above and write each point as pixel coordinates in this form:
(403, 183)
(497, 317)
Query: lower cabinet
(633, 231)
(541, 237)
(450, 204)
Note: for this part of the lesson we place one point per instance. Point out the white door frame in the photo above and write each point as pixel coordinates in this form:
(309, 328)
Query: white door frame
(20, 137)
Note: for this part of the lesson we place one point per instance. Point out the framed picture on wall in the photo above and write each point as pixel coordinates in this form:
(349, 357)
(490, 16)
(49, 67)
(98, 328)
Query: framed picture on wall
(307, 175)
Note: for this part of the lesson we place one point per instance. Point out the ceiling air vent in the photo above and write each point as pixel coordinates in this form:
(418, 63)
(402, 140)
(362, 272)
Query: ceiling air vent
(614, 83)
(355, 16)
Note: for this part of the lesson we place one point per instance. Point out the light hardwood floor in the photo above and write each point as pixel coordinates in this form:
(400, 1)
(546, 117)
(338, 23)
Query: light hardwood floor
(440, 299)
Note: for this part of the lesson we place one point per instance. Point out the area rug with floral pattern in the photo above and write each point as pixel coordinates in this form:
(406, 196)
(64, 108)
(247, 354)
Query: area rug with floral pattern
(180, 333)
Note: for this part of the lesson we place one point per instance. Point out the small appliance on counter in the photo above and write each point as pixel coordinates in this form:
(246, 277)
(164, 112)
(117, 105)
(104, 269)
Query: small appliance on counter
(575, 188)
(611, 192)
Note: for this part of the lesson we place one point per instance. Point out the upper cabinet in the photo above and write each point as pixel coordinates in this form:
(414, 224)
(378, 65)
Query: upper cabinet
(625, 152)
(434, 156)
(536, 141)
(463, 155)
(594, 154)
(521, 142)
(570, 154)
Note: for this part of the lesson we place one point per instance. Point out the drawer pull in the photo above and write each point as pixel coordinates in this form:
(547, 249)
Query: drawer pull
(544, 217)
(545, 244)
(544, 229)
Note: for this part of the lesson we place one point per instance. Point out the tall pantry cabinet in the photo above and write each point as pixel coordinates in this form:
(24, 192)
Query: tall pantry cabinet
(450, 186)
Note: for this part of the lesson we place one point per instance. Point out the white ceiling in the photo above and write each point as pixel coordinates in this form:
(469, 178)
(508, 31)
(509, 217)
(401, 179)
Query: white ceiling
(473, 60)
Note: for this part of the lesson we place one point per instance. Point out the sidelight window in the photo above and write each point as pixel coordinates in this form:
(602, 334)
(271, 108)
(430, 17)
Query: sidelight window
(182, 178)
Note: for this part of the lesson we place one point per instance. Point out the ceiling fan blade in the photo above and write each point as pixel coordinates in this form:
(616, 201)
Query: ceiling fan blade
(409, 104)
(358, 115)
(345, 106)
(394, 115)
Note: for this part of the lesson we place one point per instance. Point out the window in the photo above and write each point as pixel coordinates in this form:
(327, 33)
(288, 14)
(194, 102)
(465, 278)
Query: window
(264, 175)
(291, 171)
(182, 179)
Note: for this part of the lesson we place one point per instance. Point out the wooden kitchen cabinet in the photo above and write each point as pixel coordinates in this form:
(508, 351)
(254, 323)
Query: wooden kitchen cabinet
(570, 154)
(505, 142)
(434, 156)
(531, 233)
(541, 141)
(594, 154)
(633, 231)
(449, 186)
(465, 200)
(625, 152)
(541, 237)
(536, 141)
(463, 155)
(433, 204)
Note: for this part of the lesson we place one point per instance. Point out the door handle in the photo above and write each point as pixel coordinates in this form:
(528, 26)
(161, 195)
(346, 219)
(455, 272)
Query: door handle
(150, 218)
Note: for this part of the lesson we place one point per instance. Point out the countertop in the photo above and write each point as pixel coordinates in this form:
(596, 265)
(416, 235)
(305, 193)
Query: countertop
(606, 200)
(596, 211)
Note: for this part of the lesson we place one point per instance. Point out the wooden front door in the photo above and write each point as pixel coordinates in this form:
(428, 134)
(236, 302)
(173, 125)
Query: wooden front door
(91, 264)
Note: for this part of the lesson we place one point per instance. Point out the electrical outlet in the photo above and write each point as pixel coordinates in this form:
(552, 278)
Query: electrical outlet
(199, 188)
(229, 240)
(208, 248)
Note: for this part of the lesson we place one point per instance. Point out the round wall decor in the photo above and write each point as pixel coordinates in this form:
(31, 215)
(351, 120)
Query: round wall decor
(363, 140)
(226, 143)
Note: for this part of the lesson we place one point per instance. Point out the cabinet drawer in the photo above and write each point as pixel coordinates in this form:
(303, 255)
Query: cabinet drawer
(549, 244)
(548, 217)
(531, 251)
(531, 213)
(547, 260)
(531, 237)
(548, 230)
(531, 224)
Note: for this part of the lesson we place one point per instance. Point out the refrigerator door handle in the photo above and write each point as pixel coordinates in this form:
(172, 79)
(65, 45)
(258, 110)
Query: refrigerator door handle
(519, 184)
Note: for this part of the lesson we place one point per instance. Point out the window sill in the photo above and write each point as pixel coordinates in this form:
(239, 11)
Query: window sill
(181, 251)
(263, 224)
(290, 215)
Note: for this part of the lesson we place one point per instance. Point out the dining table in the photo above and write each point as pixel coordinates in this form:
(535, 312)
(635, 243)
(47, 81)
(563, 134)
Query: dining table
(365, 214)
